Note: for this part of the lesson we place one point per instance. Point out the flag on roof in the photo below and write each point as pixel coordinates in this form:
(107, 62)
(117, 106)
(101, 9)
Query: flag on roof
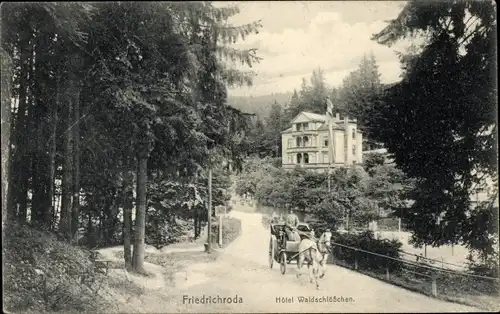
(329, 107)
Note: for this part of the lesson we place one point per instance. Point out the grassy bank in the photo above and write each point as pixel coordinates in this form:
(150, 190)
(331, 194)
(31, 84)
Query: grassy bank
(456, 288)
(42, 274)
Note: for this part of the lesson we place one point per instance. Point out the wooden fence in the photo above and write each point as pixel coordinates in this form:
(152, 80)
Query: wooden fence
(420, 268)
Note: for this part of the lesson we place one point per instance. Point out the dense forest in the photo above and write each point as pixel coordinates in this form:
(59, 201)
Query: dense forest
(118, 105)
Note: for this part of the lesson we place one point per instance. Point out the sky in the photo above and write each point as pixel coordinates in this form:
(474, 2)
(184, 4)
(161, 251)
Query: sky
(299, 36)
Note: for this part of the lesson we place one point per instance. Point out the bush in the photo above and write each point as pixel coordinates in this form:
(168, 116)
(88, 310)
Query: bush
(319, 226)
(484, 267)
(230, 231)
(165, 233)
(43, 274)
(366, 241)
(266, 220)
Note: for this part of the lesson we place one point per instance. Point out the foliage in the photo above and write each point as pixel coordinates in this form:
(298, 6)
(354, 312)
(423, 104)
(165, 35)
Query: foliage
(254, 169)
(366, 241)
(276, 122)
(354, 193)
(359, 90)
(439, 122)
(487, 266)
(161, 233)
(266, 221)
(42, 274)
(106, 91)
(370, 161)
(169, 200)
(311, 97)
(388, 185)
(231, 229)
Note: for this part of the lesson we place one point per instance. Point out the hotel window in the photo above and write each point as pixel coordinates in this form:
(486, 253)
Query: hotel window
(325, 141)
(325, 158)
(290, 160)
(305, 139)
(354, 149)
(305, 126)
(354, 134)
(306, 158)
(298, 126)
(312, 158)
(290, 143)
(299, 158)
(298, 142)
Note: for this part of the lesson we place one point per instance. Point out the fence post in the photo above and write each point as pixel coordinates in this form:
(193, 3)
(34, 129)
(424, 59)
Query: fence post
(387, 276)
(434, 284)
(356, 259)
(220, 230)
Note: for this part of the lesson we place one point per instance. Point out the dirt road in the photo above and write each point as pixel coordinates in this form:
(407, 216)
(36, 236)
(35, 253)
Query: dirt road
(242, 275)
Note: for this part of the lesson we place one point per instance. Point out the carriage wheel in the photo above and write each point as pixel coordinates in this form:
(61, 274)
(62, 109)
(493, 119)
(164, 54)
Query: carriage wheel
(271, 253)
(283, 262)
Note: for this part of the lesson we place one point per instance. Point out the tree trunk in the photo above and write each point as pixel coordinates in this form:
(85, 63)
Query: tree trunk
(89, 231)
(40, 81)
(27, 142)
(19, 162)
(196, 224)
(6, 88)
(52, 158)
(112, 220)
(99, 235)
(37, 196)
(57, 209)
(65, 223)
(127, 220)
(140, 215)
(92, 229)
(76, 165)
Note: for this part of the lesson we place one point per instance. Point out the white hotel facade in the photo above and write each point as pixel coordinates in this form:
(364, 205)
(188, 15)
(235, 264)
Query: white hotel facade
(307, 143)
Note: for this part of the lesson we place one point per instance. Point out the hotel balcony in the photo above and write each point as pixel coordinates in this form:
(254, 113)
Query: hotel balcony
(304, 132)
(314, 166)
(302, 148)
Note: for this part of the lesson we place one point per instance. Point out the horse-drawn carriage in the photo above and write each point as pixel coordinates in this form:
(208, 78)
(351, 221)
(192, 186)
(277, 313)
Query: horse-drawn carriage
(282, 250)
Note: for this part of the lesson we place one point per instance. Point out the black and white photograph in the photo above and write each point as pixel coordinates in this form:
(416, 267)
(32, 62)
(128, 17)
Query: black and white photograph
(249, 157)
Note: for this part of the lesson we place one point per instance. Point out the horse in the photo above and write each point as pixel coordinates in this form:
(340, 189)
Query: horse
(316, 255)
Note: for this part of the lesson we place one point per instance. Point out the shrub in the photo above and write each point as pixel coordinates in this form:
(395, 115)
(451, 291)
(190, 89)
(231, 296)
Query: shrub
(484, 266)
(167, 233)
(266, 220)
(43, 274)
(366, 241)
(319, 226)
(230, 231)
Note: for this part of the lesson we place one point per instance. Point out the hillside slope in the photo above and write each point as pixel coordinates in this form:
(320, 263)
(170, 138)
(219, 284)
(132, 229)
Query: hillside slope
(42, 274)
(259, 105)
